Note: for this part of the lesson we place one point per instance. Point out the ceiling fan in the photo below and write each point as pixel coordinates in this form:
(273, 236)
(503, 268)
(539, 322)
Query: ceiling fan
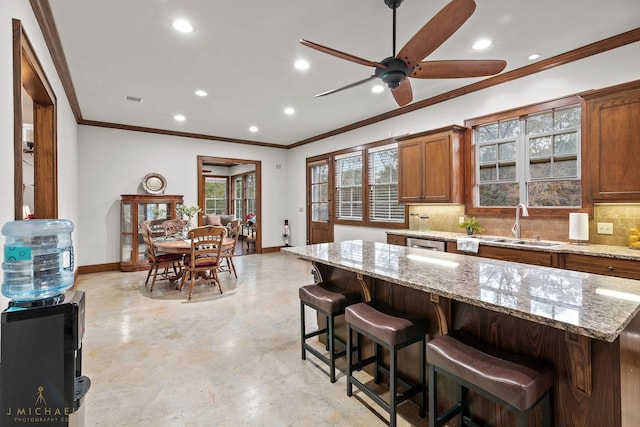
(395, 69)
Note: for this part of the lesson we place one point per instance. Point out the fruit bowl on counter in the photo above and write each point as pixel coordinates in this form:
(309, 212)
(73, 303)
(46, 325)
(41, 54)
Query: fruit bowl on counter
(634, 238)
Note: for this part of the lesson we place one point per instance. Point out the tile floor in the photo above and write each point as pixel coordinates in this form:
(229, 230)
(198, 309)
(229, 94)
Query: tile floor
(218, 360)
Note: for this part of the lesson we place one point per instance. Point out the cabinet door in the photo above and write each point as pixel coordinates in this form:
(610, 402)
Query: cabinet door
(437, 169)
(613, 145)
(410, 172)
(394, 239)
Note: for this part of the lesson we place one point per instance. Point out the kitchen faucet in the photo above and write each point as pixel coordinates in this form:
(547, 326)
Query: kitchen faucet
(516, 227)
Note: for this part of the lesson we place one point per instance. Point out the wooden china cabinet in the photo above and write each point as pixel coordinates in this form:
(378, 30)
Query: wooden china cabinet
(134, 210)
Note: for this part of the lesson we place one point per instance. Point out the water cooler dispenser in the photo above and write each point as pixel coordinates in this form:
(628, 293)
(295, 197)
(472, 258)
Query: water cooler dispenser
(42, 329)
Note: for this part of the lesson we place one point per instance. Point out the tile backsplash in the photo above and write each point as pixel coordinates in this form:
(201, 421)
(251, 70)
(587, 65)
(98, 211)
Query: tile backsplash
(622, 216)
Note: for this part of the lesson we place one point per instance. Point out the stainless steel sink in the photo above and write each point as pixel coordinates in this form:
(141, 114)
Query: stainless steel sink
(542, 243)
(517, 242)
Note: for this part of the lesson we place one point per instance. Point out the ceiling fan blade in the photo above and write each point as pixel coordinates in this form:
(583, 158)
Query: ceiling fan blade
(457, 69)
(358, 83)
(403, 93)
(341, 55)
(436, 31)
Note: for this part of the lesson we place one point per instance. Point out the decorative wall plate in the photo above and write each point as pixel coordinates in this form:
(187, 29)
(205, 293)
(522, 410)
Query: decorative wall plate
(154, 183)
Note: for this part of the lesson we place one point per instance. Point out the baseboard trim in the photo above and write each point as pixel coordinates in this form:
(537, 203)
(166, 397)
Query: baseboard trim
(98, 268)
(271, 249)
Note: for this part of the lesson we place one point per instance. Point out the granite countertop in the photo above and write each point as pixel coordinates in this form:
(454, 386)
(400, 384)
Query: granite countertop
(591, 305)
(607, 251)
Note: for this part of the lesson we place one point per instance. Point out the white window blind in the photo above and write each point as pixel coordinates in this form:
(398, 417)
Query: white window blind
(348, 174)
(383, 184)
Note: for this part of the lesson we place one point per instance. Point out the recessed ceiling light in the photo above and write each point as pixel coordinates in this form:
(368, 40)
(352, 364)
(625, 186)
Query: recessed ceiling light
(301, 64)
(481, 44)
(182, 26)
(534, 56)
(200, 93)
(289, 111)
(179, 118)
(253, 129)
(377, 89)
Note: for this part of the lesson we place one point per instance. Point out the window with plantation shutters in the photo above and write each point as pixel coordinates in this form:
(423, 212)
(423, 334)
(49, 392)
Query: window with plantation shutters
(383, 184)
(348, 185)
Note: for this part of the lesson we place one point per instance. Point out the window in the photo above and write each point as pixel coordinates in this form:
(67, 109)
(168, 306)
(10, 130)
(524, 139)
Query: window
(348, 168)
(366, 186)
(383, 185)
(238, 197)
(533, 159)
(215, 196)
(251, 193)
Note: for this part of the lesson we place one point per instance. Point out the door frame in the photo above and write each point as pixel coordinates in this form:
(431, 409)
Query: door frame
(29, 75)
(202, 160)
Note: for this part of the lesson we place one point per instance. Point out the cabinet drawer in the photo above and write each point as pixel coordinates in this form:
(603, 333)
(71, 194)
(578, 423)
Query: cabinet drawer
(598, 265)
(394, 239)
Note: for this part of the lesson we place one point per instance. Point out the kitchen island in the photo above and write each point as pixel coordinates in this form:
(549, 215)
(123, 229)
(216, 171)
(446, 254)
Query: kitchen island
(587, 325)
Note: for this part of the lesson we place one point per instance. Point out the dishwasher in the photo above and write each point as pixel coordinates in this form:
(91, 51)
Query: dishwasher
(431, 245)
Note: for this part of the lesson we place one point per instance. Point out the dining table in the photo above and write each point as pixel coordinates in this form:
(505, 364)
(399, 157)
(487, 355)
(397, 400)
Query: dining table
(179, 245)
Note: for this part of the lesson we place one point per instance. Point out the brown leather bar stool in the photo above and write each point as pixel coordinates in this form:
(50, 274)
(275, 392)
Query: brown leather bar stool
(393, 331)
(516, 382)
(330, 301)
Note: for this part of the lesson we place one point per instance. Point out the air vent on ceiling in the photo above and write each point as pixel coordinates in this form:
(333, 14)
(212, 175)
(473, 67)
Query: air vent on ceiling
(132, 98)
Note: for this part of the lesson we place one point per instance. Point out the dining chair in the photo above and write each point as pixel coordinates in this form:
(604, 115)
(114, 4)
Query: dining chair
(173, 226)
(157, 261)
(204, 257)
(250, 239)
(229, 248)
(153, 226)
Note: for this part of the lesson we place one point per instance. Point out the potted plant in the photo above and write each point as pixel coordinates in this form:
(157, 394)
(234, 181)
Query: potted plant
(471, 225)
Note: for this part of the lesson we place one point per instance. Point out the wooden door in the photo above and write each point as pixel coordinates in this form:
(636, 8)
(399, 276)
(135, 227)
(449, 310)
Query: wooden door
(319, 204)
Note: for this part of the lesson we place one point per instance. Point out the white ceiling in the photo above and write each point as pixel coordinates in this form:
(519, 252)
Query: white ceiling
(242, 53)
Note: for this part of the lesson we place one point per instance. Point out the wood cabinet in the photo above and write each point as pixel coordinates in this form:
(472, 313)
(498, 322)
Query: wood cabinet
(612, 161)
(430, 166)
(545, 259)
(601, 265)
(134, 210)
(394, 239)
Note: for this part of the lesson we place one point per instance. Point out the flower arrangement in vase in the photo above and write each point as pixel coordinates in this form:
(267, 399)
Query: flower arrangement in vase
(187, 210)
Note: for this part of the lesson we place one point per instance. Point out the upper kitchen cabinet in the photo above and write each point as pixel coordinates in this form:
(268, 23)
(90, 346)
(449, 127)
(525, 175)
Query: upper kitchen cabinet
(430, 166)
(612, 128)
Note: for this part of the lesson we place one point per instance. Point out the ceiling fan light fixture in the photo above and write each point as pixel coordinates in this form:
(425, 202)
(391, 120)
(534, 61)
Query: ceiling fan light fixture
(481, 44)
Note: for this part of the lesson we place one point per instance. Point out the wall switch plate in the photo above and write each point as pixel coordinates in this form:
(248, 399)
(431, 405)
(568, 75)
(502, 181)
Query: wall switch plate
(460, 220)
(605, 228)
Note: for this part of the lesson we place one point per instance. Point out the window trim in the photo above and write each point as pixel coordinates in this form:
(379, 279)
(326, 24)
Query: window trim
(471, 207)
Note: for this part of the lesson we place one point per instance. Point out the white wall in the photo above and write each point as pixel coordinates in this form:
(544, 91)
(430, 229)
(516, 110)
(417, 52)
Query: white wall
(67, 128)
(606, 69)
(113, 162)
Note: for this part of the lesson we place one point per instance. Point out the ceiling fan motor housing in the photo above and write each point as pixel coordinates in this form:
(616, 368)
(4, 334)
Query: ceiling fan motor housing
(394, 73)
(393, 3)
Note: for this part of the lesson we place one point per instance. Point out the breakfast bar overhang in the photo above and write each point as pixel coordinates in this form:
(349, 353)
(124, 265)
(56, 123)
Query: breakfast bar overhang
(587, 325)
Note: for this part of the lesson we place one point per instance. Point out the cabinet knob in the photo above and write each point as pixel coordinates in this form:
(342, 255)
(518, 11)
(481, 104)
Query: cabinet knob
(610, 268)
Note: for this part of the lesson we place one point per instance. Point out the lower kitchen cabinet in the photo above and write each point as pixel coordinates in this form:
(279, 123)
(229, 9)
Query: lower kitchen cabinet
(617, 267)
(545, 259)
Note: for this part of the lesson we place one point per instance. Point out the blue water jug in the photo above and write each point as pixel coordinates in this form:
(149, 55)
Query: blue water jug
(38, 259)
